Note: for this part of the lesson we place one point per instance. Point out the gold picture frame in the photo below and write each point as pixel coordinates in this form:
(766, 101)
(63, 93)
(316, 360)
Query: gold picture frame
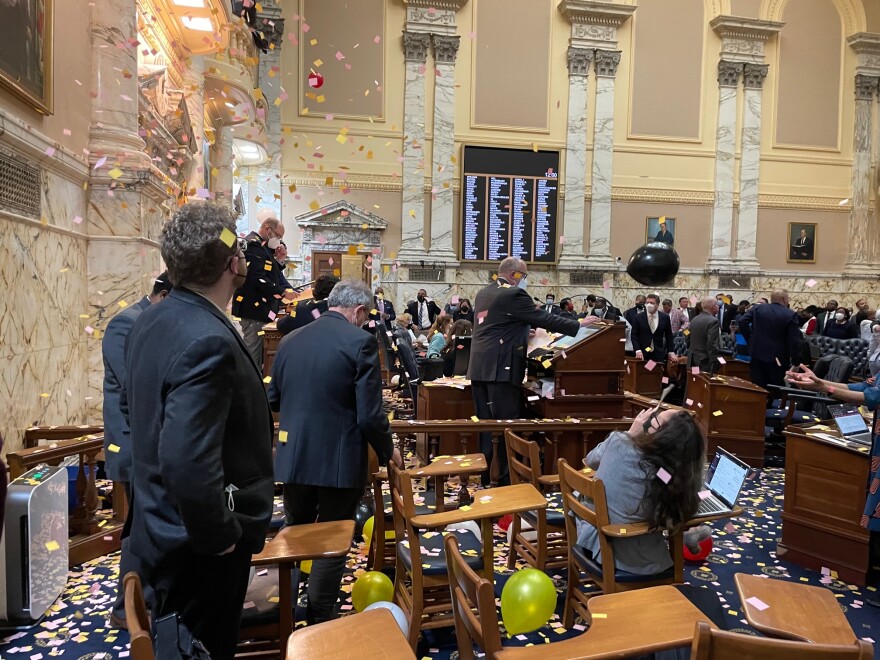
(26, 66)
(802, 247)
(652, 229)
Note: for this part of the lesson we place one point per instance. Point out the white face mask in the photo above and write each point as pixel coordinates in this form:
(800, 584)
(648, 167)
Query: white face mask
(273, 242)
(875, 329)
(650, 307)
(840, 316)
(522, 284)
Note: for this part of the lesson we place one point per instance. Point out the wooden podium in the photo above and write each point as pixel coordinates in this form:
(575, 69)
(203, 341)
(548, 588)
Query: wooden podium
(735, 368)
(587, 377)
(731, 412)
(825, 490)
(641, 380)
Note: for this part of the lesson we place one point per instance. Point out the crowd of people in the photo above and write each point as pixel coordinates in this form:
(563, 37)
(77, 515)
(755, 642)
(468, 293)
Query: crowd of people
(188, 419)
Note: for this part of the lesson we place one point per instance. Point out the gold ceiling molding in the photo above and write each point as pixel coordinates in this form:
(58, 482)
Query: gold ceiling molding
(801, 202)
(380, 182)
(690, 197)
(333, 129)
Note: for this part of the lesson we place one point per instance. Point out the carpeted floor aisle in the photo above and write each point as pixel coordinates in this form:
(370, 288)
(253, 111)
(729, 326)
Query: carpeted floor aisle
(76, 627)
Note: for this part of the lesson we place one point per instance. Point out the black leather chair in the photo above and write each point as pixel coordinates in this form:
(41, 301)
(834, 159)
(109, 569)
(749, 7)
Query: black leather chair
(857, 351)
(680, 343)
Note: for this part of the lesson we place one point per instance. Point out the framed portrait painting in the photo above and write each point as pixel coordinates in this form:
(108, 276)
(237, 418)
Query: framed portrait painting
(660, 229)
(26, 52)
(802, 242)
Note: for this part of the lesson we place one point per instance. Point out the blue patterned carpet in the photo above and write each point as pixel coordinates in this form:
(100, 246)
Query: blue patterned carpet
(77, 625)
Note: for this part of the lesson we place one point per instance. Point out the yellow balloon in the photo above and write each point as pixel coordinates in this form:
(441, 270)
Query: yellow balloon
(528, 600)
(306, 566)
(368, 532)
(371, 587)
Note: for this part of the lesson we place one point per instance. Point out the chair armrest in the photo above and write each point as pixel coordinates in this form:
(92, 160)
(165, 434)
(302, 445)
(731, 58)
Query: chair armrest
(549, 479)
(626, 529)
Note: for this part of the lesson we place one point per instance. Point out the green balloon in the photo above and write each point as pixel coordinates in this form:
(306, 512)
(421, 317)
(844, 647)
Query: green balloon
(528, 600)
(371, 587)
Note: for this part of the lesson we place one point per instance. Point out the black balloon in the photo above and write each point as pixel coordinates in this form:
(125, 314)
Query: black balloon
(653, 264)
(363, 513)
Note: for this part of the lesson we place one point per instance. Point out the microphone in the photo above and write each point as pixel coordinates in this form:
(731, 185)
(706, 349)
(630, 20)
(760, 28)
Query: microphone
(538, 300)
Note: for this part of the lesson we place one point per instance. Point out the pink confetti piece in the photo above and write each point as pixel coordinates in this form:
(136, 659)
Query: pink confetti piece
(101, 161)
(663, 475)
(316, 313)
(703, 494)
(721, 360)
(650, 364)
(377, 39)
(272, 315)
(730, 527)
(689, 402)
(757, 603)
(305, 27)
(50, 151)
(77, 220)
(695, 371)
(339, 55)
(811, 283)
(89, 329)
(562, 240)
(665, 380)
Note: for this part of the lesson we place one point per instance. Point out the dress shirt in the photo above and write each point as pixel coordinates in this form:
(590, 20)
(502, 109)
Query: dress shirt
(652, 322)
(424, 320)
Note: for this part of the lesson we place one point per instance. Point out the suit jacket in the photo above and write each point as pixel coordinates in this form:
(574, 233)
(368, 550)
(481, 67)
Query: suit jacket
(552, 308)
(631, 314)
(303, 314)
(608, 313)
(265, 284)
(728, 316)
(413, 310)
(773, 333)
(389, 309)
(504, 314)
(200, 425)
(705, 342)
(116, 431)
(327, 385)
(660, 341)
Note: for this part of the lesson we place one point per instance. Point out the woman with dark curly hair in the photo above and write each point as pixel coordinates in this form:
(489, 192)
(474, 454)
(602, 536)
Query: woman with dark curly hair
(652, 473)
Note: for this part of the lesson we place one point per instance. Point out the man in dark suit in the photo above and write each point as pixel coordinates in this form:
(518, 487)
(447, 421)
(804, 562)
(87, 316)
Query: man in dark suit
(774, 335)
(384, 308)
(652, 333)
(307, 311)
(704, 333)
(423, 310)
(802, 248)
(327, 385)
(566, 309)
(256, 302)
(726, 312)
(504, 313)
(825, 316)
(635, 310)
(550, 305)
(664, 235)
(117, 435)
(201, 433)
(604, 310)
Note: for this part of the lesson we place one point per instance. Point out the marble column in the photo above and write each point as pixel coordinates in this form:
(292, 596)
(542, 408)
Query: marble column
(222, 183)
(572, 249)
(412, 245)
(860, 257)
(194, 95)
(445, 51)
(603, 156)
(725, 142)
(747, 227)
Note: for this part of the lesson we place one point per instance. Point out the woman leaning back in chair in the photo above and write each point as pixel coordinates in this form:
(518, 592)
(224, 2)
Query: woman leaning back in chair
(652, 473)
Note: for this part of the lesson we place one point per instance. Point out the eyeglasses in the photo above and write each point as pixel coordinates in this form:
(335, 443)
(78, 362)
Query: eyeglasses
(649, 423)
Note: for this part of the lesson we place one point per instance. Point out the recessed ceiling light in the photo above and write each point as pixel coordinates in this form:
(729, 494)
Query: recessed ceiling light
(199, 4)
(200, 23)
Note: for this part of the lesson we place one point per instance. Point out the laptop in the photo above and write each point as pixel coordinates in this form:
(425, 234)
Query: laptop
(850, 423)
(724, 480)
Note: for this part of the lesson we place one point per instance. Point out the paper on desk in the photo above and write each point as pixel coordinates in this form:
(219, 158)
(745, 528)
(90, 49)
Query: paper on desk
(757, 603)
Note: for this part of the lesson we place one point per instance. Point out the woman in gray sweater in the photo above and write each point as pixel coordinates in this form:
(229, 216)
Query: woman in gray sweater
(652, 473)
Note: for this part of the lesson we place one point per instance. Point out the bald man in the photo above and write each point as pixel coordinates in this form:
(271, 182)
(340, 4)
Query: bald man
(257, 301)
(774, 337)
(704, 333)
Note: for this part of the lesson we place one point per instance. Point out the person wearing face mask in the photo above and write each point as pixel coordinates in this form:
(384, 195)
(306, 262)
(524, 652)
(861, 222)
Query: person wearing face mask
(605, 310)
(839, 326)
(201, 432)
(550, 305)
(423, 310)
(385, 308)
(566, 308)
(465, 311)
(327, 386)
(504, 314)
(652, 333)
(257, 301)
(774, 336)
(635, 310)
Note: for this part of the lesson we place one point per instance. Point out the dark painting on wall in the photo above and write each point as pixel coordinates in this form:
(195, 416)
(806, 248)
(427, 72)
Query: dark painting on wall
(802, 242)
(26, 51)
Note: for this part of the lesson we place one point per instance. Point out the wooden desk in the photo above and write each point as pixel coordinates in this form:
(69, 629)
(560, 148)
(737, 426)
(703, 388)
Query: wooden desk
(372, 635)
(451, 466)
(740, 427)
(271, 338)
(445, 402)
(825, 487)
(640, 380)
(298, 543)
(637, 623)
(736, 369)
(796, 611)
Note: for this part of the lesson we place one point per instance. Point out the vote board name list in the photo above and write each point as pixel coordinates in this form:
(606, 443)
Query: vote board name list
(509, 216)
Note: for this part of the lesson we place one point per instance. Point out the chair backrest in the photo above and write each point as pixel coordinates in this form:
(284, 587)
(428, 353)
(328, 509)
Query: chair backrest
(680, 342)
(711, 644)
(462, 356)
(431, 369)
(137, 618)
(573, 481)
(470, 591)
(403, 509)
(840, 369)
(523, 459)
(827, 345)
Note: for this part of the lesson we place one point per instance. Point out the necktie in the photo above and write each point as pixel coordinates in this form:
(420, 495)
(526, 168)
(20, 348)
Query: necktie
(423, 315)
(652, 322)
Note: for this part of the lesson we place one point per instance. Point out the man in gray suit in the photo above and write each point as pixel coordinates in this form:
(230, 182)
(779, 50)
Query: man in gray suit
(705, 337)
(117, 435)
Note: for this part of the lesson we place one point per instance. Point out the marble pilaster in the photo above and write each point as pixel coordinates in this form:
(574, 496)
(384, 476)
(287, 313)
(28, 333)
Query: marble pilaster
(445, 50)
(725, 140)
(412, 245)
(222, 183)
(603, 157)
(194, 95)
(572, 249)
(859, 257)
(747, 227)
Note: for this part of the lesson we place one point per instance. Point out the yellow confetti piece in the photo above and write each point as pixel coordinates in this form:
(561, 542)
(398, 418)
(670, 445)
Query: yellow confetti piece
(52, 546)
(227, 237)
(115, 173)
(547, 364)
(113, 448)
(474, 418)
(102, 523)
(267, 379)
(314, 205)
(282, 436)
(718, 413)
(597, 615)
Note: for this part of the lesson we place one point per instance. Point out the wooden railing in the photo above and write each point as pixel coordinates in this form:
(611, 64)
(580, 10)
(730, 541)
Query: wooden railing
(37, 435)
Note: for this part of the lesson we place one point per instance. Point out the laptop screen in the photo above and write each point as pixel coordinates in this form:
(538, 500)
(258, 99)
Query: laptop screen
(848, 420)
(726, 476)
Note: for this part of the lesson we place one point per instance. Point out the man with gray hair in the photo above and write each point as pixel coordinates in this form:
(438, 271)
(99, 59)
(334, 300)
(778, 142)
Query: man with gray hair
(257, 301)
(327, 385)
(774, 337)
(201, 436)
(704, 333)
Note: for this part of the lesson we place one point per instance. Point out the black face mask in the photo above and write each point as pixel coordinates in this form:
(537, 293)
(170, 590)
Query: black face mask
(421, 298)
(640, 306)
(465, 309)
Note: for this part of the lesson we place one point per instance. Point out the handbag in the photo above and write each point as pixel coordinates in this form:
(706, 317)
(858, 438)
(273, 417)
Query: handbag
(174, 641)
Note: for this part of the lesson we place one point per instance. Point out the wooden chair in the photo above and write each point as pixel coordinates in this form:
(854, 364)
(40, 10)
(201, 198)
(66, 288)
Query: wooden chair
(579, 560)
(137, 618)
(372, 635)
(720, 645)
(382, 550)
(426, 598)
(549, 549)
(470, 591)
